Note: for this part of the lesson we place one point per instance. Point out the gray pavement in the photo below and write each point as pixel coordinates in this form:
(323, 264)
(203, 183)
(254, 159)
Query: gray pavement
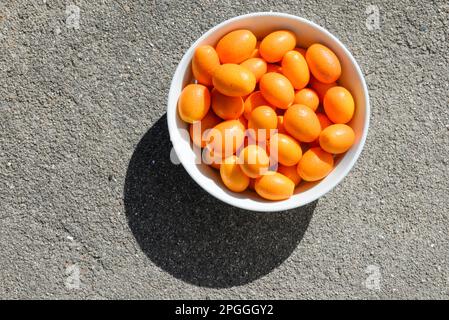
(92, 207)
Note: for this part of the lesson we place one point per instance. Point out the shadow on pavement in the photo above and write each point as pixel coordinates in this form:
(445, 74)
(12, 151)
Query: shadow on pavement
(192, 235)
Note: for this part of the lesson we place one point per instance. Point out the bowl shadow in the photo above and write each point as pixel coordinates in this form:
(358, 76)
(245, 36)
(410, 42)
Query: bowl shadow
(193, 236)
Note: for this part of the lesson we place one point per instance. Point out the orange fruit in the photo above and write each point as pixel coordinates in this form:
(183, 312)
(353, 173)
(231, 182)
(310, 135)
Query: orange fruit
(302, 123)
(233, 80)
(274, 186)
(290, 172)
(315, 164)
(294, 67)
(198, 127)
(281, 128)
(211, 158)
(285, 149)
(236, 46)
(205, 61)
(277, 90)
(307, 97)
(254, 161)
(323, 63)
(257, 66)
(337, 138)
(227, 108)
(324, 120)
(226, 137)
(292, 82)
(193, 103)
(276, 44)
(320, 88)
(324, 123)
(253, 101)
(243, 121)
(339, 105)
(255, 53)
(232, 175)
(263, 120)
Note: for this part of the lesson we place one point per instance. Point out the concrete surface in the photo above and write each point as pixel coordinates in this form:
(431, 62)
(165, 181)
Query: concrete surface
(87, 186)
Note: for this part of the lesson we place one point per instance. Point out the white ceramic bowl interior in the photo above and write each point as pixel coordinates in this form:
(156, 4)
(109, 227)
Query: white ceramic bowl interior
(307, 33)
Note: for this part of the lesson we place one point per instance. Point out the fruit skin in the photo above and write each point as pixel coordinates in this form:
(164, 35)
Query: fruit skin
(307, 97)
(323, 63)
(257, 66)
(324, 120)
(236, 46)
(290, 172)
(212, 159)
(193, 103)
(234, 80)
(294, 67)
(274, 186)
(253, 101)
(255, 53)
(337, 138)
(254, 161)
(243, 121)
(232, 175)
(227, 108)
(315, 164)
(276, 44)
(285, 149)
(205, 61)
(262, 117)
(339, 105)
(226, 137)
(302, 123)
(209, 121)
(277, 90)
(320, 88)
(280, 127)
(324, 123)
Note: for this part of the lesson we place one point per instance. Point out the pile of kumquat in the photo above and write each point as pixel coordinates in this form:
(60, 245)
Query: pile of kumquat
(267, 114)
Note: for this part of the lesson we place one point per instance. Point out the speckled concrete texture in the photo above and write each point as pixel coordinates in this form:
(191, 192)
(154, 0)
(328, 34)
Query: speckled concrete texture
(86, 182)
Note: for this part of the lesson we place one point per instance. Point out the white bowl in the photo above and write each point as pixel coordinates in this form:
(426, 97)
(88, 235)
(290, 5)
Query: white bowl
(307, 33)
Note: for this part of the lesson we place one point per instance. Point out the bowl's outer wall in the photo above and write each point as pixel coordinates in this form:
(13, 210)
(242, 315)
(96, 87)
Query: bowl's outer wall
(307, 33)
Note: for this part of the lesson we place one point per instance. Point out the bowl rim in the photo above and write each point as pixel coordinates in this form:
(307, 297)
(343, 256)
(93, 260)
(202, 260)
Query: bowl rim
(171, 113)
